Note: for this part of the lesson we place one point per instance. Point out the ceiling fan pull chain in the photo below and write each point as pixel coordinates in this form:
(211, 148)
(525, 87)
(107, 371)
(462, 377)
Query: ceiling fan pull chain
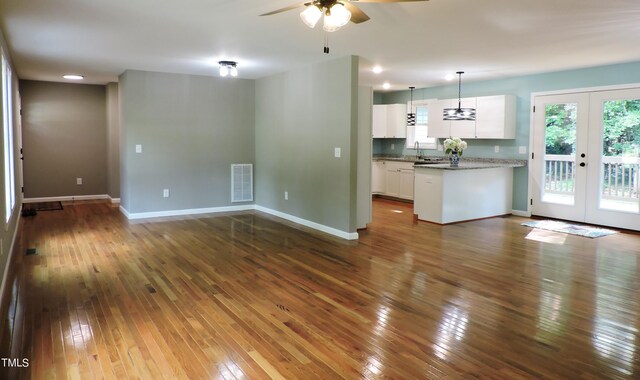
(326, 43)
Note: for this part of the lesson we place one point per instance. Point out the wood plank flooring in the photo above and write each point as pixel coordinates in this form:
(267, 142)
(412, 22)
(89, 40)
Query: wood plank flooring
(249, 296)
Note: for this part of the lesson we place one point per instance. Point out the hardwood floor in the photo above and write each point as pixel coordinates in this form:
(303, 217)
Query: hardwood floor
(247, 295)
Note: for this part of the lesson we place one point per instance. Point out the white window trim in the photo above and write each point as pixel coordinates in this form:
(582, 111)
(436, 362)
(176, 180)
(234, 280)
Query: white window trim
(432, 144)
(8, 139)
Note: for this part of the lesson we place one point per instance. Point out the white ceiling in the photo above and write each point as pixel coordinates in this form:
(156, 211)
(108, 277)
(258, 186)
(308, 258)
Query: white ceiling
(416, 43)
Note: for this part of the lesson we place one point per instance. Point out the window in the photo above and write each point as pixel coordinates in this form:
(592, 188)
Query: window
(419, 131)
(7, 126)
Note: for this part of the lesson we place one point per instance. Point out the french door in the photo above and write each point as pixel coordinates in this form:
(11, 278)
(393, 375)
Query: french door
(586, 157)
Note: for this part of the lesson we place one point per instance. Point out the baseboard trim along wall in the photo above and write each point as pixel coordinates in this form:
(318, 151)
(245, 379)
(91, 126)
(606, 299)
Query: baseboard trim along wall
(114, 200)
(525, 214)
(9, 261)
(310, 224)
(192, 211)
(68, 198)
(211, 210)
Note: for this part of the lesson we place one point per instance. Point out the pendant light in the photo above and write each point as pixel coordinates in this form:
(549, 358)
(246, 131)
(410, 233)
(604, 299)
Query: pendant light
(411, 116)
(459, 113)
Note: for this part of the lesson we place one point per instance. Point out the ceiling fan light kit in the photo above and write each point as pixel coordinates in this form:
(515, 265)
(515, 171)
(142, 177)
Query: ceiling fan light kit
(311, 15)
(459, 113)
(336, 13)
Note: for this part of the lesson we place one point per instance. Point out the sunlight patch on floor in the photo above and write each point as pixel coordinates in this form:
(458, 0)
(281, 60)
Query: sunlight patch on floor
(546, 236)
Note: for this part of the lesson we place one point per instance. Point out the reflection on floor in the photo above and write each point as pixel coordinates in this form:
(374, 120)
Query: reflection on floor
(247, 295)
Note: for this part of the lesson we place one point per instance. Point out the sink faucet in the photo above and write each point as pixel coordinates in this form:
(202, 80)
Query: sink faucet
(416, 146)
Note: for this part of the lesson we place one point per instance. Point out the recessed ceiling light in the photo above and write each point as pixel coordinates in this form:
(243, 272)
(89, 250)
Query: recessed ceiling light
(376, 69)
(449, 77)
(386, 85)
(73, 77)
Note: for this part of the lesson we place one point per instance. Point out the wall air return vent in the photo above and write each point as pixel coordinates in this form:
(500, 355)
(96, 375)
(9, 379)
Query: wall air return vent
(241, 182)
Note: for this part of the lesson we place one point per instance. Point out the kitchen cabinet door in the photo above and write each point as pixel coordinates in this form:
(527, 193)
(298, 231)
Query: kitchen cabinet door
(496, 117)
(439, 128)
(392, 181)
(379, 121)
(397, 121)
(378, 177)
(406, 183)
(464, 128)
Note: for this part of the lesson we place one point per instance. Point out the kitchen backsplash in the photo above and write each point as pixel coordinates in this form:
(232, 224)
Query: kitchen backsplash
(477, 148)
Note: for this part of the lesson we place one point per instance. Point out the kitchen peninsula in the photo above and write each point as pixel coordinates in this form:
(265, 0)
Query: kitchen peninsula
(474, 190)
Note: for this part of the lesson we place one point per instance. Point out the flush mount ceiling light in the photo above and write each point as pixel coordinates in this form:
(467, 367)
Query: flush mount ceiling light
(459, 113)
(228, 68)
(386, 85)
(377, 69)
(73, 77)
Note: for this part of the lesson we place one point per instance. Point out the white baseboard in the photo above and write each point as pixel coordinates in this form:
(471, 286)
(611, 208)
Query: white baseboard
(192, 211)
(9, 258)
(114, 200)
(211, 210)
(307, 223)
(525, 214)
(67, 198)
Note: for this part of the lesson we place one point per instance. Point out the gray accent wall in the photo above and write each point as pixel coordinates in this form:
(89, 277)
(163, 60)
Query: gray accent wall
(63, 129)
(113, 141)
(191, 128)
(301, 117)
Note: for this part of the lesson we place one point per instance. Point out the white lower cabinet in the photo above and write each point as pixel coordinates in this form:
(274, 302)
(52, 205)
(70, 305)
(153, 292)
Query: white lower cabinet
(378, 177)
(393, 178)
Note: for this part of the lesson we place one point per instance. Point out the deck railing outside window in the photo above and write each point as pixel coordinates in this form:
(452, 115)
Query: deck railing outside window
(621, 176)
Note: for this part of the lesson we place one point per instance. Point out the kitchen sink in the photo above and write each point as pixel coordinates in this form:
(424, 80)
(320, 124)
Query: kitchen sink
(429, 161)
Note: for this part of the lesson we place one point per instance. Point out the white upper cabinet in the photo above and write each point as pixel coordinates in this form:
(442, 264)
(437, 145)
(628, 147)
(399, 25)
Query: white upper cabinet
(495, 118)
(437, 127)
(379, 123)
(464, 128)
(390, 121)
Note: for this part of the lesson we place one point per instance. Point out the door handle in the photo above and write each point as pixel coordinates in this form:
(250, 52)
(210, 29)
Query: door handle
(582, 164)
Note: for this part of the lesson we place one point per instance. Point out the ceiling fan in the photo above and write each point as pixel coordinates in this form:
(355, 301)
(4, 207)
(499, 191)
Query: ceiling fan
(336, 13)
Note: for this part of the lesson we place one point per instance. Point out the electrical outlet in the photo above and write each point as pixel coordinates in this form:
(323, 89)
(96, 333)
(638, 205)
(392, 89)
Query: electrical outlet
(138, 148)
(286, 195)
(393, 146)
(496, 148)
(78, 181)
(165, 193)
(522, 149)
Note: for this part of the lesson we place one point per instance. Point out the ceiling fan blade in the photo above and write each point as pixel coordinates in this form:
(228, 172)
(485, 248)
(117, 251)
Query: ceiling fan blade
(385, 1)
(357, 15)
(290, 7)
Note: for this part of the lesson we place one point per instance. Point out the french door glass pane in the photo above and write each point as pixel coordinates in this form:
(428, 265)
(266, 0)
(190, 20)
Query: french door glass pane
(619, 170)
(560, 153)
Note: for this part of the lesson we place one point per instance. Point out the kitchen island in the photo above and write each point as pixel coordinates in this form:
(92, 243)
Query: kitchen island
(474, 190)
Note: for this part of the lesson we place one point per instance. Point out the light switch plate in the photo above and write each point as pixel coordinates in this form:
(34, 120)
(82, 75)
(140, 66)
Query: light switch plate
(496, 148)
(522, 149)
(286, 195)
(138, 148)
(165, 193)
(393, 146)
(337, 152)
(78, 181)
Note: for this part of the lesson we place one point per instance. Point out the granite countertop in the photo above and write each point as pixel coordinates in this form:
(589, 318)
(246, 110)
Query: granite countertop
(476, 163)
(466, 163)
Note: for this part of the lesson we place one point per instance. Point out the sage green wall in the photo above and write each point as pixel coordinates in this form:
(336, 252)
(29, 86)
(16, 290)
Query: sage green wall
(522, 87)
(191, 128)
(301, 116)
(63, 129)
(113, 141)
(9, 231)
